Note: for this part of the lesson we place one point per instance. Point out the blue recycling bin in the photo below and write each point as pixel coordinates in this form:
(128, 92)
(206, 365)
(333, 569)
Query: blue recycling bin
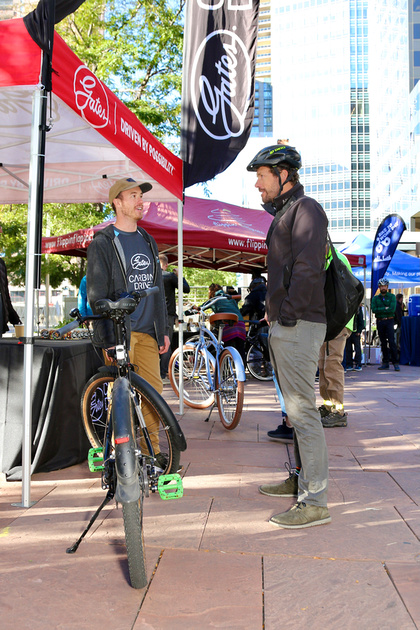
(414, 305)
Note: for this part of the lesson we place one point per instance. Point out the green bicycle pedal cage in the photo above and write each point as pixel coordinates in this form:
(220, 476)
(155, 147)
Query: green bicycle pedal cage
(96, 459)
(170, 486)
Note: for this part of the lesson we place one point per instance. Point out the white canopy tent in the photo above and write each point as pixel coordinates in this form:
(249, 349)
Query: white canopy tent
(93, 138)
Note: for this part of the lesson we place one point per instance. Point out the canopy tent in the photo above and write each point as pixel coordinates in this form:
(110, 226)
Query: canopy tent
(216, 235)
(403, 270)
(94, 137)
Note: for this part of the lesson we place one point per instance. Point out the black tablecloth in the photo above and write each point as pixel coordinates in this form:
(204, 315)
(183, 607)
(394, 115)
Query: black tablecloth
(410, 341)
(60, 371)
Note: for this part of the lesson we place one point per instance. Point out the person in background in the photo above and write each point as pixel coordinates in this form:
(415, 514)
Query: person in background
(234, 334)
(7, 312)
(400, 311)
(331, 371)
(284, 432)
(82, 301)
(170, 283)
(384, 306)
(353, 343)
(254, 304)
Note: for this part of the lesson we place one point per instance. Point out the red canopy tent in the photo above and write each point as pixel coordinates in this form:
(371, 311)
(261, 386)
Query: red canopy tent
(94, 137)
(216, 235)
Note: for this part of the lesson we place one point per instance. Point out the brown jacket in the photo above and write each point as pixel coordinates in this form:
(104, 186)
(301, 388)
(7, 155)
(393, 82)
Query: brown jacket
(296, 260)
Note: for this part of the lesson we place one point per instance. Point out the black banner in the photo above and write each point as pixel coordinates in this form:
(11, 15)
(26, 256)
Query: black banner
(218, 84)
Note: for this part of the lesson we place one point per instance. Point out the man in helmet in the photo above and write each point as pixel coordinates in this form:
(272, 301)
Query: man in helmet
(295, 310)
(383, 306)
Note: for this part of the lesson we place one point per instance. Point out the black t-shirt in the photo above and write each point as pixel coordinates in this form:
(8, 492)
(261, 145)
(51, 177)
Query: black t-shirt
(140, 271)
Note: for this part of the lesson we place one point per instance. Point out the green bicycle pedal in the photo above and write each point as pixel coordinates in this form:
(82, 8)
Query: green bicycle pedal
(170, 486)
(95, 459)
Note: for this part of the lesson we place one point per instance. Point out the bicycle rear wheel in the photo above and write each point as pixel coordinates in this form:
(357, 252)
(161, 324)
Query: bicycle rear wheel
(96, 406)
(230, 396)
(258, 366)
(197, 392)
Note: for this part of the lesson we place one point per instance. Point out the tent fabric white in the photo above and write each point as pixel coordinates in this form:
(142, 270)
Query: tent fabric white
(403, 270)
(94, 137)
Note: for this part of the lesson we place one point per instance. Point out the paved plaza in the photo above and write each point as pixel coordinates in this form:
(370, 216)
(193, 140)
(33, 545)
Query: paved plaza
(213, 558)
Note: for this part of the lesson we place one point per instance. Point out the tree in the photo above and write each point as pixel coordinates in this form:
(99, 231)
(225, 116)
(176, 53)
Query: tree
(136, 49)
(59, 218)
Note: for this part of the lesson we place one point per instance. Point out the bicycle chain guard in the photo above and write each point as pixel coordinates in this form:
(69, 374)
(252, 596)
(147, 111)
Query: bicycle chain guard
(96, 459)
(170, 486)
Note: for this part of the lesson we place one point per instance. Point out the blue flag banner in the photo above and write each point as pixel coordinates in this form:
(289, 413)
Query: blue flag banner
(385, 243)
(220, 44)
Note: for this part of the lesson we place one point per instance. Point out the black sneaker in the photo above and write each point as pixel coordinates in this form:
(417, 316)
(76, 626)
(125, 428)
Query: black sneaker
(283, 434)
(384, 366)
(396, 367)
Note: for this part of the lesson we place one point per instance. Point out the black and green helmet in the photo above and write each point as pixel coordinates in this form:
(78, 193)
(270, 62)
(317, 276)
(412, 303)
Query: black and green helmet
(276, 155)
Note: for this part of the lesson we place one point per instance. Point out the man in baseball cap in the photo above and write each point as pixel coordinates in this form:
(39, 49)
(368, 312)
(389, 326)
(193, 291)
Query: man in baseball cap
(123, 258)
(127, 184)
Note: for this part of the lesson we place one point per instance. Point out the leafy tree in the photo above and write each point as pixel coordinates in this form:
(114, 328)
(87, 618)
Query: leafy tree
(204, 277)
(136, 48)
(59, 219)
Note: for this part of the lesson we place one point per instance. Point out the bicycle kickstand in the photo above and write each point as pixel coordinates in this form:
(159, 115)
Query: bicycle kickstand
(73, 548)
(211, 409)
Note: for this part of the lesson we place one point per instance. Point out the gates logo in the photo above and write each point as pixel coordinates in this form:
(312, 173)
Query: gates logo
(91, 98)
(219, 100)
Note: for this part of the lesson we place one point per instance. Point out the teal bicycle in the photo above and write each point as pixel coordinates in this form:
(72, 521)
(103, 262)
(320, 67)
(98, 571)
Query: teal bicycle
(211, 373)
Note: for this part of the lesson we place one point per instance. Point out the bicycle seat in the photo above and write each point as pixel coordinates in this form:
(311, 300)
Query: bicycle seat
(122, 306)
(221, 318)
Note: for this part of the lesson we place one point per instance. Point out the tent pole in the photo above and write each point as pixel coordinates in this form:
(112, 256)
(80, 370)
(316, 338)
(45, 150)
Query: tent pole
(31, 272)
(180, 303)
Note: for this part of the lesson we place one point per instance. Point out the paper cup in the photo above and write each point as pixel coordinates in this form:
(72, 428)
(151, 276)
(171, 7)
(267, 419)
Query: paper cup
(19, 330)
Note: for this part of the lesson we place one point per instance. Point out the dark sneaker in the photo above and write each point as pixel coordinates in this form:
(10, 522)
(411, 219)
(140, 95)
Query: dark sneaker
(334, 419)
(358, 368)
(396, 367)
(302, 515)
(384, 366)
(287, 488)
(350, 369)
(325, 410)
(283, 434)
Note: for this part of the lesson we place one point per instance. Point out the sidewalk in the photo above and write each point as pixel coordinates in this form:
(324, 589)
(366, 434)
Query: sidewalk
(214, 559)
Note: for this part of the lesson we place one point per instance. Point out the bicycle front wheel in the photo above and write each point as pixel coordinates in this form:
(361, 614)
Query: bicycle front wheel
(134, 541)
(96, 406)
(230, 395)
(196, 384)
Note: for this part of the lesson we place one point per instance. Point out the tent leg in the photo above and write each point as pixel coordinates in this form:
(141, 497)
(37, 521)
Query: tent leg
(33, 211)
(180, 303)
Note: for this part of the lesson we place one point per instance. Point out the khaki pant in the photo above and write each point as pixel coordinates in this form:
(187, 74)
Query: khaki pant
(331, 371)
(144, 355)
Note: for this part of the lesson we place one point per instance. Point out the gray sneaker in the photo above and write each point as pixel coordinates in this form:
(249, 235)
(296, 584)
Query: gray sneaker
(302, 515)
(287, 488)
(325, 410)
(334, 419)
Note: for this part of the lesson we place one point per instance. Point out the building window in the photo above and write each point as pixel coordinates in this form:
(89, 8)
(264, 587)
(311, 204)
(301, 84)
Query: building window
(417, 58)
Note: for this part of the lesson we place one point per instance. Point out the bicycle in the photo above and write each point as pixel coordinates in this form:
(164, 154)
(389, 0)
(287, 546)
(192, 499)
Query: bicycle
(257, 352)
(133, 456)
(210, 372)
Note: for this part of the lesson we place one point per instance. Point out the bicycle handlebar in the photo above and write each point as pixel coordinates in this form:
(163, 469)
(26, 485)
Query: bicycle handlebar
(80, 319)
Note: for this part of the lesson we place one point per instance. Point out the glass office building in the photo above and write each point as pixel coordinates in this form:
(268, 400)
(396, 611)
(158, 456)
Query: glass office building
(341, 69)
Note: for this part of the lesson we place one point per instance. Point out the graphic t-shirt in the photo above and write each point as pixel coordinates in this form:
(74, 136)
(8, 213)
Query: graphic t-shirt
(139, 262)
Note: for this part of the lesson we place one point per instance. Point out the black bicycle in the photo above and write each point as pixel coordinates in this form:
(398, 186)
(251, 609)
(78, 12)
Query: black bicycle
(137, 451)
(257, 352)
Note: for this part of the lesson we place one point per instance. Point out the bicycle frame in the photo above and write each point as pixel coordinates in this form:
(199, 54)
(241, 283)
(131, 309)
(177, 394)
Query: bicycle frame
(202, 347)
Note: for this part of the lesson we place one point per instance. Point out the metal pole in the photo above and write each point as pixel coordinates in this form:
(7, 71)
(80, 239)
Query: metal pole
(180, 304)
(31, 264)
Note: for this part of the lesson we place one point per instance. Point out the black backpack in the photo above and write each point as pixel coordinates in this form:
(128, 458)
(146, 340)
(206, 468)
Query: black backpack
(343, 295)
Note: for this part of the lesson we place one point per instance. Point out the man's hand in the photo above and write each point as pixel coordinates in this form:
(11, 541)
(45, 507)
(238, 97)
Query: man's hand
(165, 347)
